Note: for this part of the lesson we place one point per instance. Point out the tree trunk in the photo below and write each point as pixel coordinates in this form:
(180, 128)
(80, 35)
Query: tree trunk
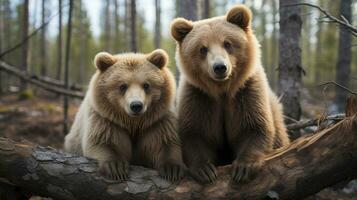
(158, 24)
(43, 42)
(344, 55)
(117, 36)
(107, 27)
(188, 10)
(83, 39)
(299, 170)
(2, 39)
(127, 24)
(133, 42)
(274, 48)
(66, 67)
(290, 70)
(7, 35)
(24, 49)
(206, 9)
(59, 42)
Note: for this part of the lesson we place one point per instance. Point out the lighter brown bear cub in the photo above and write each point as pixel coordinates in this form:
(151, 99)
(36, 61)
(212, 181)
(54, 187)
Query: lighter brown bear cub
(226, 109)
(127, 116)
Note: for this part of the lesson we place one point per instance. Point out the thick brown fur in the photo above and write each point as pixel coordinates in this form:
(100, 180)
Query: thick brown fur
(237, 119)
(105, 129)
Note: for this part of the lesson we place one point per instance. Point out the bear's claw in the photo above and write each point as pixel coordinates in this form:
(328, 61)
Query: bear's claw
(115, 170)
(171, 172)
(205, 174)
(244, 172)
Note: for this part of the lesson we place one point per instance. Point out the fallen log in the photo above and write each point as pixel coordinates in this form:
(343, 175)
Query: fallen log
(308, 165)
(33, 80)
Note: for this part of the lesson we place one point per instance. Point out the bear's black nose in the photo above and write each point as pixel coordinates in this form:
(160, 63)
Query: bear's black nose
(136, 106)
(219, 68)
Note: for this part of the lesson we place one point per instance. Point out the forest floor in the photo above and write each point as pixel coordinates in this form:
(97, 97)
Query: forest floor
(39, 120)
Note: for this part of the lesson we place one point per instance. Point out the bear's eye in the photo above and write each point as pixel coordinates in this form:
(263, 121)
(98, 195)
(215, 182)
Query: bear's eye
(227, 45)
(123, 87)
(146, 87)
(204, 50)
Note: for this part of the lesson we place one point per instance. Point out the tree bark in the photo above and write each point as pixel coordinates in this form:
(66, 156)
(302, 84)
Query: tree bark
(290, 69)
(2, 39)
(24, 49)
(107, 27)
(344, 55)
(188, 10)
(274, 48)
(83, 39)
(206, 9)
(43, 53)
(66, 67)
(127, 24)
(157, 24)
(59, 42)
(118, 39)
(303, 168)
(133, 42)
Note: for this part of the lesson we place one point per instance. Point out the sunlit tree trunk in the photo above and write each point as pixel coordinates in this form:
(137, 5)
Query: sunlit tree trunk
(344, 56)
(290, 70)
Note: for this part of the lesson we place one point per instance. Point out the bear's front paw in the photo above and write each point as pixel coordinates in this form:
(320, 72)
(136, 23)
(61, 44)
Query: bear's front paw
(245, 171)
(171, 172)
(114, 169)
(205, 173)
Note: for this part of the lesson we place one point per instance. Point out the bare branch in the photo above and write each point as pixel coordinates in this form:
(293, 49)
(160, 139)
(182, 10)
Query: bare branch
(314, 122)
(344, 22)
(339, 85)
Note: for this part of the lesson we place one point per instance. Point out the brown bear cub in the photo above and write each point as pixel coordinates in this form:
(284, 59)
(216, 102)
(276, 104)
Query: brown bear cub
(127, 116)
(227, 112)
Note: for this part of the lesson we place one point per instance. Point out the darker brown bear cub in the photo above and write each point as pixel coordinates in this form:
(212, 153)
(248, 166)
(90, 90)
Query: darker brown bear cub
(128, 117)
(227, 111)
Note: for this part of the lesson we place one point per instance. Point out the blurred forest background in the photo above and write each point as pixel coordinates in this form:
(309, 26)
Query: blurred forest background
(120, 26)
(114, 33)
(52, 49)
(34, 39)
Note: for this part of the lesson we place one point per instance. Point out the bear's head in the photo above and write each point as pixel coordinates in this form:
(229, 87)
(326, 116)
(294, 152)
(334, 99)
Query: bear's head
(217, 54)
(132, 84)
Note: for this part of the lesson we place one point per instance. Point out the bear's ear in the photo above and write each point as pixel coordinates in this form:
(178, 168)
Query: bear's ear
(104, 60)
(240, 15)
(180, 27)
(159, 58)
